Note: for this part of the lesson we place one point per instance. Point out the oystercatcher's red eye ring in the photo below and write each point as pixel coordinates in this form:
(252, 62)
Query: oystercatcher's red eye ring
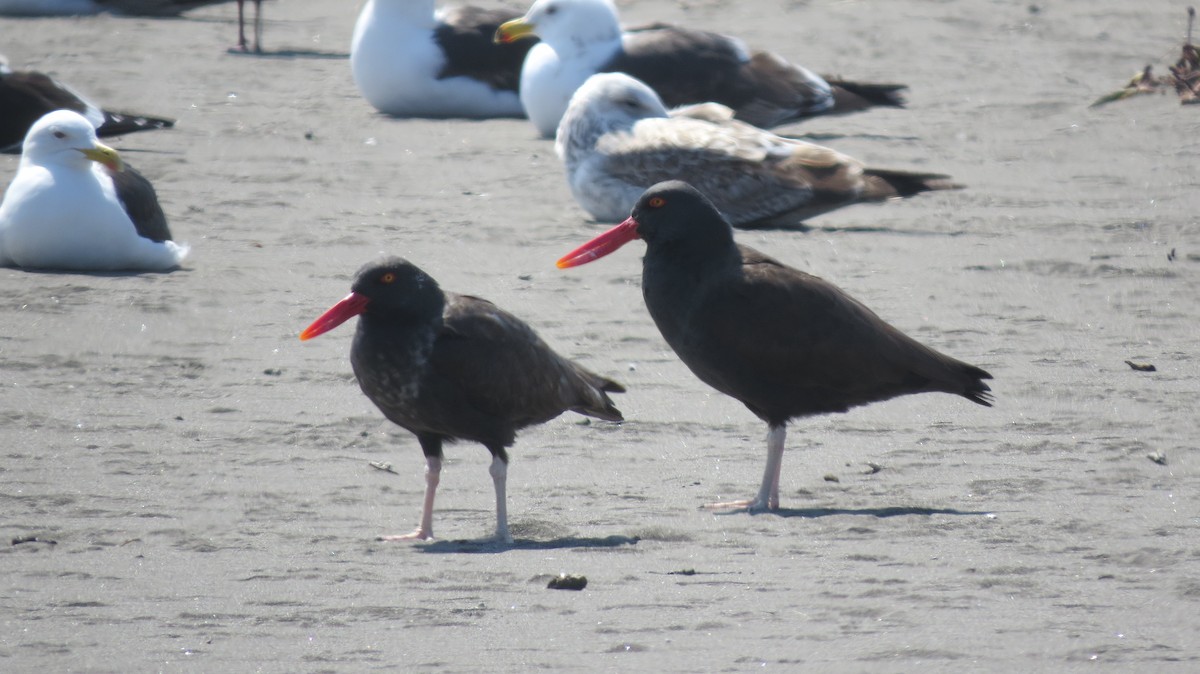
(656, 202)
(387, 277)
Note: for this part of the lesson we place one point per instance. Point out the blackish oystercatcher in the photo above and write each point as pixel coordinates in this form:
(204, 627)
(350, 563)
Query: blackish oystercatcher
(583, 37)
(75, 205)
(411, 61)
(785, 343)
(617, 139)
(454, 367)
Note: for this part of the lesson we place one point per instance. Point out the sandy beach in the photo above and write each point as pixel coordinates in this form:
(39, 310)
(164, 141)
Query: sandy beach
(199, 481)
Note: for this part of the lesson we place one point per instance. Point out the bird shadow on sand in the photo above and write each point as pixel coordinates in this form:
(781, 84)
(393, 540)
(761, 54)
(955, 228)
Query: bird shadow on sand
(892, 511)
(16, 149)
(488, 546)
(880, 229)
(290, 54)
(805, 228)
(142, 150)
(826, 137)
(99, 274)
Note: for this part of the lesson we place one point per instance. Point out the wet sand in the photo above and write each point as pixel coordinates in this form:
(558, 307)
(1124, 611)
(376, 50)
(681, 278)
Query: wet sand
(205, 476)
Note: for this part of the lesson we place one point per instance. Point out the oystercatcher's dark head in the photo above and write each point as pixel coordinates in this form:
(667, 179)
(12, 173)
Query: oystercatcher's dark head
(669, 214)
(392, 288)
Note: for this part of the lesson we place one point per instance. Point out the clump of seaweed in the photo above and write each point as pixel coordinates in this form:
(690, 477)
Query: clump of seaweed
(1186, 71)
(1184, 77)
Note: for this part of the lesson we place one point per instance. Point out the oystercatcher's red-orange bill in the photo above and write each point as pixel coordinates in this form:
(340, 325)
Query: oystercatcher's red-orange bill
(350, 306)
(601, 245)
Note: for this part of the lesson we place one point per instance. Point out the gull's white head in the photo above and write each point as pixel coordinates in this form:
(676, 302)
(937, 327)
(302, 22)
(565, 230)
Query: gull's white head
(606, 102)
(617, 97)
(566, 25)
(66, 138)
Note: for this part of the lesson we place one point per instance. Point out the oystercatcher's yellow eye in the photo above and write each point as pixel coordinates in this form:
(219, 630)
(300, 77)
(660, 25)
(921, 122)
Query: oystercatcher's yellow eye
(656, 202)
(387, 277)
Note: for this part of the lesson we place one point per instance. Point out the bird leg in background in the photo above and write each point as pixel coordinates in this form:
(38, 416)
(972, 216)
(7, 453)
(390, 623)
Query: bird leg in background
(768, 492)
(424, 532)
(242, 45)
(499, 472)
(258, 26)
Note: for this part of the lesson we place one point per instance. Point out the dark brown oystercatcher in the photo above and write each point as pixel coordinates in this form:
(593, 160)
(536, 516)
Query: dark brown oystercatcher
(784, 343)
(454, 367)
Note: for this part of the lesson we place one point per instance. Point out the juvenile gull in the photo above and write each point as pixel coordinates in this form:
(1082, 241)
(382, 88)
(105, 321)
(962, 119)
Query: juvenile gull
(617, 139)
(26, 96)
(784, 343)
(584, 37)
(73, 205)
(454, 367)
(410, 60)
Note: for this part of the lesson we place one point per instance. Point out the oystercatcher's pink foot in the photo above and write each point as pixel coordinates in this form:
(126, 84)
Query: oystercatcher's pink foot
(768, 493)
(418, 534)
(750, 505)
